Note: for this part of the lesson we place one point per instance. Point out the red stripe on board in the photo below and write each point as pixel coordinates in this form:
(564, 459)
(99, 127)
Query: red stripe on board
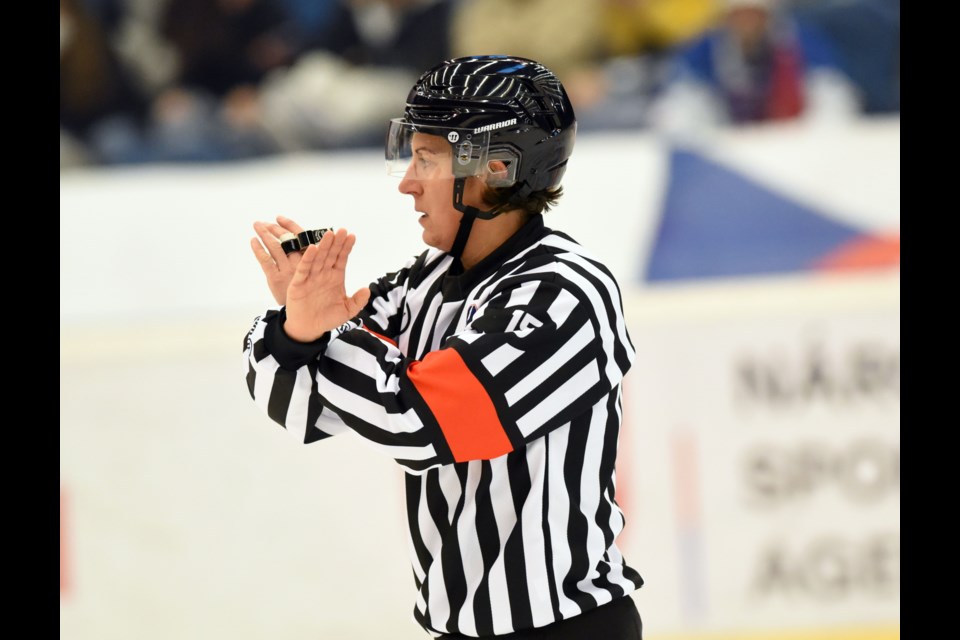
(64, 559)
(461, 405)
(686, 479)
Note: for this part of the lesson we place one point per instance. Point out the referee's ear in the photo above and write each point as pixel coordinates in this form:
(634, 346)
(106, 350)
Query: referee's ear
(497, 175)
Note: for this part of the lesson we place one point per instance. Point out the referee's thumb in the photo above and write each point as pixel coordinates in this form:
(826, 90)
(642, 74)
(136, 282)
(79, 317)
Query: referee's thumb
(358, 301)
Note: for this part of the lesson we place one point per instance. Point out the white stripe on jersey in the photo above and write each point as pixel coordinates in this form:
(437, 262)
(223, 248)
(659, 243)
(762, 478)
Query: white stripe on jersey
(562, 307)
(499, 359)
(559, 399)
(558, 515)
(590, 496)
(353, 356)
(533, 542)
(560, 357)
(506, 518)
(371, 412)
(470, 553)
(521, 296)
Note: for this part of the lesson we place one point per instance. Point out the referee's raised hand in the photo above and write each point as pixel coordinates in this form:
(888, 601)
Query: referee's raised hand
(278, 266)
(317, 299)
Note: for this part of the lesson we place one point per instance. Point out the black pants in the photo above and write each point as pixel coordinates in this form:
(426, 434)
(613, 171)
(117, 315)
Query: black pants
(617, 620)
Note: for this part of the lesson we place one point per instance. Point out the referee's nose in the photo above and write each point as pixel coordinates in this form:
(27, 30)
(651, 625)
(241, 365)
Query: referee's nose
(410, 185)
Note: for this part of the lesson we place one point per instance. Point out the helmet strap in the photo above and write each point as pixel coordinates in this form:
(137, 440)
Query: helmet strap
(470, 214)
(466, 221)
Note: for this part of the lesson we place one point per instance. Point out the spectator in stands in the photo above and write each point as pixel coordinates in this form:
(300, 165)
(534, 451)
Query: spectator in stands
(349, 80)
(96, 91)
(222, 50)
(404, 34)
(565, 36)
(607, 52)
(867, 36)
(758, 64)
(638, 39)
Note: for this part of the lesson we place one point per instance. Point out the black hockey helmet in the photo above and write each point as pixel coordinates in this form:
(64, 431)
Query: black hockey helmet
(488, 108)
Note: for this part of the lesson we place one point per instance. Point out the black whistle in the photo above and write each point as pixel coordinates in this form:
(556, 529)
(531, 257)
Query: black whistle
(303, 240)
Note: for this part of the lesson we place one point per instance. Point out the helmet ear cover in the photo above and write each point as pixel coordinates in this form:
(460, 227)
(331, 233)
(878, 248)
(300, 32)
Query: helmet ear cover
(502, 166)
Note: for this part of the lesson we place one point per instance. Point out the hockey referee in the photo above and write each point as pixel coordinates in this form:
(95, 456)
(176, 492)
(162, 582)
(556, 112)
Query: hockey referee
(489, 367)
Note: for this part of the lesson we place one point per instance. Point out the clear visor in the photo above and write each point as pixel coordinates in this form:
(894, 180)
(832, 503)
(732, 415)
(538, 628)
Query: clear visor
(427, 153)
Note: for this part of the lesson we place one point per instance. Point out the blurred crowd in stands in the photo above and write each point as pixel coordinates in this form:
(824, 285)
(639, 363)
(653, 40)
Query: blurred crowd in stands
(146, 81)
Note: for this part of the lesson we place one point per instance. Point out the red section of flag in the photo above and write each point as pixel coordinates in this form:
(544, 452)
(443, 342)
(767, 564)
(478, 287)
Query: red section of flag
(865, 252)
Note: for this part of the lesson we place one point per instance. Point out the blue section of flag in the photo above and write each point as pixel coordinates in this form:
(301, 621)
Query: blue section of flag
(716, 222)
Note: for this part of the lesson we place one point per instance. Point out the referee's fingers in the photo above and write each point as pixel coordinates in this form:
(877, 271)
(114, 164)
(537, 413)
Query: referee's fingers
(270, 237)
(266, 262)
(289, 224)
(325, 252)
(307, 261)
(348, 244)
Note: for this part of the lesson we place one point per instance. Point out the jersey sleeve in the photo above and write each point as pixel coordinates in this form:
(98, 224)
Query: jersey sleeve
(540, 350)
(288, 394)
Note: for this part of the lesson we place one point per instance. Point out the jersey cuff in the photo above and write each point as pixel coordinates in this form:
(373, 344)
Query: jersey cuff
(288, 353)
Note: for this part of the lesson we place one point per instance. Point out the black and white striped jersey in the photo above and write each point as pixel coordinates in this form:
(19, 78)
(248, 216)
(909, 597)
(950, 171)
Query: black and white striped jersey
(498, 391)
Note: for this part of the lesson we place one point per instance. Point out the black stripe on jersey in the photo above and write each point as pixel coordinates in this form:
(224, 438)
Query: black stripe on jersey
(364, 384)
(314, 408)
(365, 387)
(605, 477)
(620, 353)
(431, 298)
(433, 325)
(413, 489)
(280, 394)
(533, 264)
(608, 458)
(452, 560)
(421, 269)
(513, 553)
(251, 380)
(384, 288)
(260, 350)
(437, 504)
(260, 347)
(439, 510)
(577, 522)
(381, 436)
(355, 381)
(488, 537)
(547, 540)
(603, 582)
(313, 435)
(576, 405)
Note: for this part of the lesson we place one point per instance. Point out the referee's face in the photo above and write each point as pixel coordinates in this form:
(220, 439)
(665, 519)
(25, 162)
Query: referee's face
(429, 180)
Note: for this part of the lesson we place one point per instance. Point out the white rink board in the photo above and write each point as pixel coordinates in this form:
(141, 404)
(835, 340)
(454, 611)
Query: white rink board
(763, 452)
(188, 514)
